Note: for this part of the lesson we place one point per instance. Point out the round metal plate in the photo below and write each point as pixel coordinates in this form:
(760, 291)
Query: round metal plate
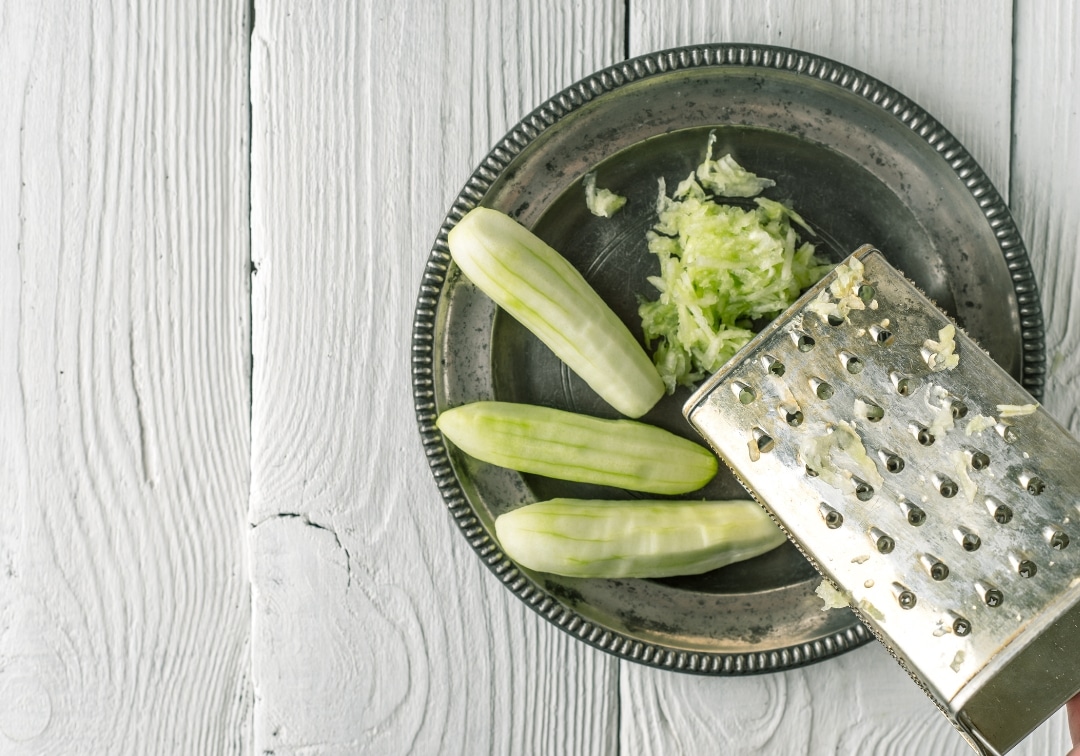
(858, 160)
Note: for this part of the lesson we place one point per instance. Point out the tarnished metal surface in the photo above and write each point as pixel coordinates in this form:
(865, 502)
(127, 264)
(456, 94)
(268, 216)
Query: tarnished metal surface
(949, 525)
(856, 158)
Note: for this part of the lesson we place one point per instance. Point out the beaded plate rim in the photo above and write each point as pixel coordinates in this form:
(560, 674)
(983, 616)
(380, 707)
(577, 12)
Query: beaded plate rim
(521, 136)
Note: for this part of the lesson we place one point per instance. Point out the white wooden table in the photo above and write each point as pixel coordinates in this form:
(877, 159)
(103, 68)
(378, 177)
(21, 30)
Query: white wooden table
(218, 531)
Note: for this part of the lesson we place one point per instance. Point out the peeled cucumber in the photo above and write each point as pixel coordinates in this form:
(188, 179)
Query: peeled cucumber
(635, 539)
(542, 290)
(570, 446)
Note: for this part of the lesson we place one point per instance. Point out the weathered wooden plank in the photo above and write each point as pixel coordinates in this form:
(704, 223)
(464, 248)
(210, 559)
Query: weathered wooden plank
(958, 66)
(376, 629)
(855, 703)
(124, 393)
(1045, 199)
(952, 61)
(1046, 184)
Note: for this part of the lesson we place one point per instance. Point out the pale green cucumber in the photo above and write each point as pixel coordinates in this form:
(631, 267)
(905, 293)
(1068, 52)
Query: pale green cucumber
(542, 290)
(570, 446)
(640, 539)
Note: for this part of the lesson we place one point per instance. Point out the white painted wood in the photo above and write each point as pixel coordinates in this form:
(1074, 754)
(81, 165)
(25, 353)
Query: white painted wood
(375, 627)
(124, 394)
(1045, 199)
(152, 598)
(957, 64)
(951, 57)
(1046, 184)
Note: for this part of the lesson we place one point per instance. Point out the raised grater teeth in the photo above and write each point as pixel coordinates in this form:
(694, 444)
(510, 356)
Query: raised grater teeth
(923, 481)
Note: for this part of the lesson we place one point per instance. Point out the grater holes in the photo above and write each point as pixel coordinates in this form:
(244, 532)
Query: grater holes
(969, 540)
(1023, 566)
(832, 518)
(922, 434)
(882, 335)
(867, 293)
(883, 542)
(1032, 483)
(763, 441)
(804, 342)
(902, 383)
(790, 414)
(1002, 513)
(773, 366)
(977, 459)
(990, 595)
(863, 490)
(851, 362)
(931, 357)
(946, 486)
(743, 392)
(960, 625)
(934, 567)
(913, 513)
(821, 388)
(905, 597)
(1007, 432)
(1056, 538)
(959, 410)
(868, 410)
(834, 320)
(893, 462)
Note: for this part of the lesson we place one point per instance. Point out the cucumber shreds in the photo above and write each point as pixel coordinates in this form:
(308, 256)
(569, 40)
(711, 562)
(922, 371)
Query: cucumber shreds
(721, 268)
(603, 203)
(726, 178)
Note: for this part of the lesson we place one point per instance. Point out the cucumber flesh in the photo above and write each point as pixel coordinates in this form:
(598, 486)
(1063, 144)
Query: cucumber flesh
(635, 539)
(570, 446)
(542, 290)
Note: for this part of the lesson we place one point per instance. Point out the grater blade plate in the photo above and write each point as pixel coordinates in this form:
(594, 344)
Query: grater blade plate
(939, 500)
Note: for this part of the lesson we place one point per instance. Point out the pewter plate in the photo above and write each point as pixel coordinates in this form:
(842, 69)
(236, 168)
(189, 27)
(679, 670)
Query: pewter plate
(858, 160)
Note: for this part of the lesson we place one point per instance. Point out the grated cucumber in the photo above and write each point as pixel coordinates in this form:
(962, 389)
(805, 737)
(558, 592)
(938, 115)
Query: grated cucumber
(721, 268)
(603, 203)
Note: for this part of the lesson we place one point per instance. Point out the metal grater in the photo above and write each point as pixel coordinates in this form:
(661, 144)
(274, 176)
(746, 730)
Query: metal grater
(950, 542)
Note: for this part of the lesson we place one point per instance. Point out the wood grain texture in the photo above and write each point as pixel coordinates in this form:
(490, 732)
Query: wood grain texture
(198, 559)
(1045, 192)
(124, 598)
(958, 66)
(375, 627)
(851, 704)
(1046, 184)
(955, 63)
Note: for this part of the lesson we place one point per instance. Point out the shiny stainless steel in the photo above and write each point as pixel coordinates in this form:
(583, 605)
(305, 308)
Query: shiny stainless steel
(995, 641)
